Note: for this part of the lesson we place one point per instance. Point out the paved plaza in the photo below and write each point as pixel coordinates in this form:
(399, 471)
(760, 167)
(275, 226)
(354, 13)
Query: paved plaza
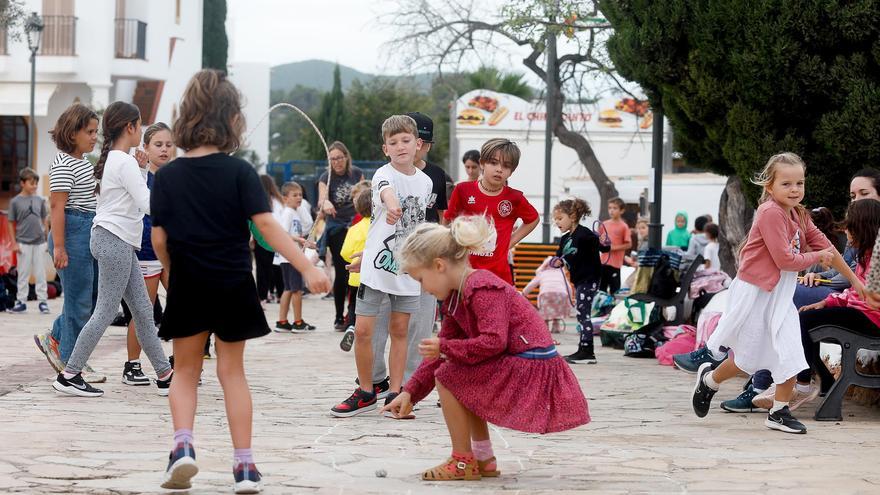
(644, 437)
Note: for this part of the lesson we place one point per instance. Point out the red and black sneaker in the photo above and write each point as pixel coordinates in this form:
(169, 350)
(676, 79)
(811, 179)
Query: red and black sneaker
(359, 402)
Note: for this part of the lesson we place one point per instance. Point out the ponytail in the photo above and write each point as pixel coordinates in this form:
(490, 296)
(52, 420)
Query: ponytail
(117, 117)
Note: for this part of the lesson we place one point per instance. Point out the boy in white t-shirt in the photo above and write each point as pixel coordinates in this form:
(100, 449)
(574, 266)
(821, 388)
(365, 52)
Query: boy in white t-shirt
(401, 194)
(293, 224)
(710, 253)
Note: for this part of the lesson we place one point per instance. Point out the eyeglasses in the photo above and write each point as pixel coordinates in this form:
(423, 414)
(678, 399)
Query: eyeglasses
(337, 159)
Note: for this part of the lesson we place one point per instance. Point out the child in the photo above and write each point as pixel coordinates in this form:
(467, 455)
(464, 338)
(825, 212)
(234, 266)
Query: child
(697, 242)
(158, 144)
(400, 198)
(621, 242)
(710, 252)
(554, 298)
(31, 218)
(489, 366)
(471, 161)
(123, 199)
(503, 205)
(760, 323)
(679, 236)
(201, 205)
(72, 205)
(579, 250)
(292, 193)
(355, 240)
(641, 241)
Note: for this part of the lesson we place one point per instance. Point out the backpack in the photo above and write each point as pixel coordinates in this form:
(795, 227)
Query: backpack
(708, 282)
(663, 281)
(8, 292)
(644, 341)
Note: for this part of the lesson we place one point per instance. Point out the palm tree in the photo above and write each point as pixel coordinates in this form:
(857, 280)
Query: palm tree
(503, 82)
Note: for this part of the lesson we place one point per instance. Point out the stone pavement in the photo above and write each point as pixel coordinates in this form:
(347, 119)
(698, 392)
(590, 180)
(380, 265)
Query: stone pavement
(644, 437)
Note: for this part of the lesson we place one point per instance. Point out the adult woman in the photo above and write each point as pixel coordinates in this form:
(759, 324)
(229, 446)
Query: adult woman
(334, 199)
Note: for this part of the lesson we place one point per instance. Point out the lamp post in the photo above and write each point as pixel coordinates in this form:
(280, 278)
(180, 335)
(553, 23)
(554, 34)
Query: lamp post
(33, 28)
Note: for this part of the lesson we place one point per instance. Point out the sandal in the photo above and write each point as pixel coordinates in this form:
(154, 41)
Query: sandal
(453, 470)
(494, 473)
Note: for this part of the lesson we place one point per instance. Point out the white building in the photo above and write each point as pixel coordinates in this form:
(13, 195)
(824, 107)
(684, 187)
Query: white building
(621, 137)
(253, 81)
(94, 52)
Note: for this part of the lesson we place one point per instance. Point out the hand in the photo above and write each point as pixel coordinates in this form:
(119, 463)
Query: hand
(328, 208)
(355, 265)
(15, 247)
(556, 262)
(861, 290)
(826, 256)
(317, 281)
(430, 348)
(60, 256)
(400, 407)
(141, 158)
(310, 244)
(818, 305)
(810, 280)
(872, 299)
(393, 215)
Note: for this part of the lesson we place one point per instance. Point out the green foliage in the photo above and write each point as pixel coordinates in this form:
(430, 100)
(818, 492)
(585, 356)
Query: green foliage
(288, 131)
(215, 44)
(503, 82)
(331, 119)
(11, 15)
(741, 80)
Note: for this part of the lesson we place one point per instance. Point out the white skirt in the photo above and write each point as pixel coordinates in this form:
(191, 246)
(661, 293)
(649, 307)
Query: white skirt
(762, 328)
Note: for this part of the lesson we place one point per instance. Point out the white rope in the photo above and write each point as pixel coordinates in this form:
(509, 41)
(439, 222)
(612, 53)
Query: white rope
(304, 115)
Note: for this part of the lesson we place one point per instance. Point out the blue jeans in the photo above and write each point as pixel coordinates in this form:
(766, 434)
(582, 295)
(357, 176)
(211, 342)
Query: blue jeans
(79, 281)
(804, 296)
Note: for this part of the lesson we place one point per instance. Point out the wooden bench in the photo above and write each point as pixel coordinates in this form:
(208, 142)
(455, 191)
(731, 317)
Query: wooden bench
(527, 257)
(850, 340)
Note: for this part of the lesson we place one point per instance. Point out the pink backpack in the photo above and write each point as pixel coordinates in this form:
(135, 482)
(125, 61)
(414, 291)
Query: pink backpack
(709, 281)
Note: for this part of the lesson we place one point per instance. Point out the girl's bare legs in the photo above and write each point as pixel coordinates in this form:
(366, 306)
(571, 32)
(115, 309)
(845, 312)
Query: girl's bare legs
(131, 341)
(236, 393)
(785, 390)
(725, 371)
(296, 300)
(479, 428)
(458, 421)
(284, 306)
(188, 359)
(397, 330)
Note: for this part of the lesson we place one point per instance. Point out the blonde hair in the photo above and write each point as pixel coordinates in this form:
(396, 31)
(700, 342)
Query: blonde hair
(466, 235)
(768, 175)
(289, 187)
(397, 124)
(362, 197)
(642, 220)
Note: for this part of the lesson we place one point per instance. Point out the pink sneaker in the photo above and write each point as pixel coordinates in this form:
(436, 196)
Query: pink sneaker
(764, 400)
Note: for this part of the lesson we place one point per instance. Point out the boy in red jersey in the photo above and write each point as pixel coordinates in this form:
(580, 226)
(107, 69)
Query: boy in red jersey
(503, 205)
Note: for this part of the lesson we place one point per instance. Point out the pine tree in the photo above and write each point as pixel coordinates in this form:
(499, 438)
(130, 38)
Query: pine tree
(215, 44)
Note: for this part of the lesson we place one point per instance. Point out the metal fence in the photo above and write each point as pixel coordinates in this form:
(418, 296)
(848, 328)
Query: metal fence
(307, 172)
(131, 39)
(59, 35)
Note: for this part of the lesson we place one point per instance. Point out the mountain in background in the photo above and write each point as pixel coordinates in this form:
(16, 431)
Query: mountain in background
(318, 74)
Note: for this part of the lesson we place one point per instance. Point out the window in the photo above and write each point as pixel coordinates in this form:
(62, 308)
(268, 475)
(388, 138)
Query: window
(13, 154)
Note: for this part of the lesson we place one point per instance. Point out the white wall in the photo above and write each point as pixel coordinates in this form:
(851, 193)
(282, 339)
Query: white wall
(252, 79)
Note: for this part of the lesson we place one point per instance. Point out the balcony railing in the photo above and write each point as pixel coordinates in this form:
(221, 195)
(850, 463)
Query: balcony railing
(59, 35)
(131, 39)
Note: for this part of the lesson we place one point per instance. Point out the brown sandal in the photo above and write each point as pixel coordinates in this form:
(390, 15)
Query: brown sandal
(453, 470)
(489, 474)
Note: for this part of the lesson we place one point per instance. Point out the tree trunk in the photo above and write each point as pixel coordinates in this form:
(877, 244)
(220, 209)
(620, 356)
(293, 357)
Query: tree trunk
(735, 215)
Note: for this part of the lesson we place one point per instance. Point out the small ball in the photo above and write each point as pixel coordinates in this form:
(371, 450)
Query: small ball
(381, 473)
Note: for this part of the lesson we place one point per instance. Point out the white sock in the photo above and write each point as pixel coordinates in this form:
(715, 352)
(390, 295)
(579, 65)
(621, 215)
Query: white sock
(135, 361)
(709, 381)
(777, 405)
(802, 388)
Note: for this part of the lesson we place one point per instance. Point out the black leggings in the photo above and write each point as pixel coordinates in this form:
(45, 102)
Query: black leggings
(340, 283)
(268, 275)
(842, 316)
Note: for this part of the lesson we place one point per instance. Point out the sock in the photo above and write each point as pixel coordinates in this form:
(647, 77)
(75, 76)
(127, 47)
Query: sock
(297, 322)
(758, 390)
(243, 456)
(165, 375)
(482, 449)
(183, 435)
(134, 361)
(466, 457)
(68, 374)
(802, 388)
(777, 405)
(710, 381)
(282, 321)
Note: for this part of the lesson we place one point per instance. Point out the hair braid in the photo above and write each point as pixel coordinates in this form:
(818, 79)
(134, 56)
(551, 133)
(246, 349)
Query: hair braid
(99, 166)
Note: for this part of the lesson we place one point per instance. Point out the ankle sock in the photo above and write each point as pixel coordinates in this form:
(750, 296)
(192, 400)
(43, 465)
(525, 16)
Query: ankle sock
(710, 381)
(804, 388)
(482, 449)
(243, 456)
(165, 375)
(68, 374)
(297, 322)
(134, 361)
(183, 435)
(777, 405)
(280, 322)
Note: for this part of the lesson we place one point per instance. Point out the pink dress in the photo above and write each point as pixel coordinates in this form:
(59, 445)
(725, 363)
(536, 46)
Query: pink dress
(480, 364)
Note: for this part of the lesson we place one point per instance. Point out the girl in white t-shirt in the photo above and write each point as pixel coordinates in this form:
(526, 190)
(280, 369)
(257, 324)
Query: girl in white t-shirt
(710, 252)
(123, 199)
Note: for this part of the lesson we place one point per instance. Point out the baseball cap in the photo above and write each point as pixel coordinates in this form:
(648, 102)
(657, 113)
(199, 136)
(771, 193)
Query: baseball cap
(425, 126)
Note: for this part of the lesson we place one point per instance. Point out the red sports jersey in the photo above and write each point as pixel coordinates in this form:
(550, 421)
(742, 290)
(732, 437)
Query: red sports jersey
(503, 209)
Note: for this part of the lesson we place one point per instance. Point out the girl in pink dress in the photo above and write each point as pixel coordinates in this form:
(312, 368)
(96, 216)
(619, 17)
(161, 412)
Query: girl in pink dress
(493, 361)
(554, 298)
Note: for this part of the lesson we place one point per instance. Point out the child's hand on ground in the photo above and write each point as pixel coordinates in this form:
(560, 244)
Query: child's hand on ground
(818, 305)
(400, 407)
(430, 348)
(316, 280)
(355, 265)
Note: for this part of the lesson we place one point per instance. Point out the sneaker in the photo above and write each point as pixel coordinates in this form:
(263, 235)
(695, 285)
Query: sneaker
(49, 347)
(181, 467)
(93, 376)
(247, 478)
(75, 386)
(702, 397)
(164, 386)
(347, 339)
(782, 420)
(283, 327)
(133, 375)
(19, 308)
(765, 398)
(743, 403)
(381, 389)
(327, 297)
(339, 324)
(583, 355)
(690, 362)
(302, 327)
(44, 308)
(359, 402)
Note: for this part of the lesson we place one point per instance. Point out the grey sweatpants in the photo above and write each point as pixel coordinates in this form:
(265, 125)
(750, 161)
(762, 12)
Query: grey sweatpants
(119, 277)
(421, 324)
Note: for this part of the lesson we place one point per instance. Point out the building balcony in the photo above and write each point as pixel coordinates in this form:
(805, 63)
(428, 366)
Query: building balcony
(59, 36)
(131, 39)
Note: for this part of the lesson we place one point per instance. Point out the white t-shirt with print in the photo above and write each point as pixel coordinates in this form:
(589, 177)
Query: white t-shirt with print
(379, 268)
(293, 225)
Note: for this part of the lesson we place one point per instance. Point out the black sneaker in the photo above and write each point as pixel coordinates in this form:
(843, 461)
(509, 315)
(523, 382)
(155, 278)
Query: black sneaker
(782, 420)
(339, 324)
(283, 327)
(164, 386)
(381, 389)
(690, 362)
(302, 327)
(133, 375)
(347, 339)
(75, 386)
(181, 467)
(703, 394)
(359, 402)
(583, 355)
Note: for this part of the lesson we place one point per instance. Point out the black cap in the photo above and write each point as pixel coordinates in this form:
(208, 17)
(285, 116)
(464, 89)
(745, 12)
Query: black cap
(425, 126)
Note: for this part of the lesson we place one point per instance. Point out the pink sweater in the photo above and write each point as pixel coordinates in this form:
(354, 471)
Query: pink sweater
(770, 246)
(549, 280)
(850, 298)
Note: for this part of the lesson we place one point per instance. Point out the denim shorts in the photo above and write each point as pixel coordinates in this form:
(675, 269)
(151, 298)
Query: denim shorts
(369, 300)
